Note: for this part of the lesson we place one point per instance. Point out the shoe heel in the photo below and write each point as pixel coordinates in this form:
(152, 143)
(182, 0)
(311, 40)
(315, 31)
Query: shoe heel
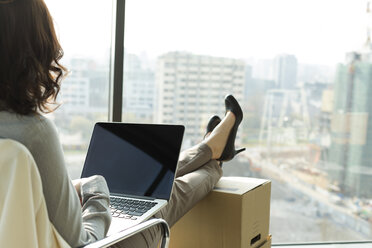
(239, 150)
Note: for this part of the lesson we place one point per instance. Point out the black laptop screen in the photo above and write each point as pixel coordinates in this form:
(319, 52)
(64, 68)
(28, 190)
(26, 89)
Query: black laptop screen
(135, 159)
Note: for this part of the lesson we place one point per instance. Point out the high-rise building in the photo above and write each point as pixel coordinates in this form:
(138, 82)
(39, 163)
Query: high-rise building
(351, 128)
(351, 124)
(75, 94)
(139, 90)
(85, 89)
(192, 87)
(248, 81)
(285, 71)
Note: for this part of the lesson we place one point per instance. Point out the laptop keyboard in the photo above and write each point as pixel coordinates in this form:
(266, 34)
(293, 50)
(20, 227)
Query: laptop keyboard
(129, 208)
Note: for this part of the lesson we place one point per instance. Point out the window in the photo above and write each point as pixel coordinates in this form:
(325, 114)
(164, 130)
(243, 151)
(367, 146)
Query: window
(301, 70)
(306, 108)
(86, 41)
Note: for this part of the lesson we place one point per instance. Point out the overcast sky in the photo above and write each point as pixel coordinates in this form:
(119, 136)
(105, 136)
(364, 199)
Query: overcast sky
(316, 31)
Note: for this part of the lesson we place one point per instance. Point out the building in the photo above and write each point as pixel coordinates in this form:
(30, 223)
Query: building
(75, 94)
(248, 81)
(139, 90)
(192, 87)
(351, 128)
(285, 71)
(85, 89)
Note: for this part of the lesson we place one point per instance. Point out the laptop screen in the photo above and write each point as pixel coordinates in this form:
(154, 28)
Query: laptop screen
(135, 159)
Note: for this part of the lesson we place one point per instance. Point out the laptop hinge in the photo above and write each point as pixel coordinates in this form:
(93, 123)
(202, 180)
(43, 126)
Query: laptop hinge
(134, 196)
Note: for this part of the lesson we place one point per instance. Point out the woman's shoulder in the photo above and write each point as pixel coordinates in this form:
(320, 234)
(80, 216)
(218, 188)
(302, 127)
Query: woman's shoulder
(23, 127)
(10, 118)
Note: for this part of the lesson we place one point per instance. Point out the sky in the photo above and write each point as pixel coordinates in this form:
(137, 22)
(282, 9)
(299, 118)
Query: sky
(315, 31)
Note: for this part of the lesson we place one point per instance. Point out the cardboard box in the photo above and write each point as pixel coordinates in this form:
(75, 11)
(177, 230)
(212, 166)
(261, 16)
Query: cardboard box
(234, 215)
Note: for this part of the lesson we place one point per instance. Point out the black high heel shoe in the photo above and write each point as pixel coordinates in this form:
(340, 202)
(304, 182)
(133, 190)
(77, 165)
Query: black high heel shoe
(212, 123)
(229, 151)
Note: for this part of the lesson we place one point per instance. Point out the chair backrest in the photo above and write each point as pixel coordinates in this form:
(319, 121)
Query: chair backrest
(24, 218)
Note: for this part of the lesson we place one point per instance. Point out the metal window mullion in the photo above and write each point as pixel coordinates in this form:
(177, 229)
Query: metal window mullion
(117, 58)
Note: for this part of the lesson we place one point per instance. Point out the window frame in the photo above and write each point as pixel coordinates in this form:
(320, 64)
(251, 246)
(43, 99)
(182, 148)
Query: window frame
(117, 62)
(116, 94)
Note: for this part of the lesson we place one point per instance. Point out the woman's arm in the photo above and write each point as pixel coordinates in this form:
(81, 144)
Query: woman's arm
(77, 223)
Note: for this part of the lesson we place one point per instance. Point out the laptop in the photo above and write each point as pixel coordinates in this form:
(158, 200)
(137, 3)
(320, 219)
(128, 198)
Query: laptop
(139, 162)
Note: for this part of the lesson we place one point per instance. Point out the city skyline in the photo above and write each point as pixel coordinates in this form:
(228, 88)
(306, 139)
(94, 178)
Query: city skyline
(295, 158)
(261, 68)
(293, 155)
(141, 93)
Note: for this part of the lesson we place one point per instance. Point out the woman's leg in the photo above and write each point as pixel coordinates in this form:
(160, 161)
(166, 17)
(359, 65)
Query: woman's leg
(193, 158)
(196, 176)
(200, 176)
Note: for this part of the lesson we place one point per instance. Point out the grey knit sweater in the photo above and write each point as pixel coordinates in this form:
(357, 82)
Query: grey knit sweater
(78, 225)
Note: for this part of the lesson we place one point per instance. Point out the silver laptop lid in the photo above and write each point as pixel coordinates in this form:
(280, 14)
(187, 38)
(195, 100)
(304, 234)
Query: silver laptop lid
(135, 159)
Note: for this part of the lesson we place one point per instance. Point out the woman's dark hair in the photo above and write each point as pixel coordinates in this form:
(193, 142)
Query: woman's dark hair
(30, 74)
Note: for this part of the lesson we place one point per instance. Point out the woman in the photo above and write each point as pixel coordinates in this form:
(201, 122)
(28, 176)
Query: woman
(30, 77)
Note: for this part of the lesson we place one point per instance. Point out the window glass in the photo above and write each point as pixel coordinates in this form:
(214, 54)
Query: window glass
(302, 73)
(84, 30)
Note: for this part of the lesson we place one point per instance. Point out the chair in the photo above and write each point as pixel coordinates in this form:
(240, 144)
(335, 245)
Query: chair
(24, 219)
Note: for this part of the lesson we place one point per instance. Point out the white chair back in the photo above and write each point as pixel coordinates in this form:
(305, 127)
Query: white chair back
(24, 220)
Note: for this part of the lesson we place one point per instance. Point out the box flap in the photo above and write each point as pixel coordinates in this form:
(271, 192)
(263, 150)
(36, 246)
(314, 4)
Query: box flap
(238, 185)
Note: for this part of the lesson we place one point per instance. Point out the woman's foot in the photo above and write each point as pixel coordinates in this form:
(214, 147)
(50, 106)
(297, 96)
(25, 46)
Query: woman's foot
(218, 137)
(212, 123)
(222, 139)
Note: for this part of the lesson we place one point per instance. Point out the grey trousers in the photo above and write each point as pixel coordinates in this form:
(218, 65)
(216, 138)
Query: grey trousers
(196, 176)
